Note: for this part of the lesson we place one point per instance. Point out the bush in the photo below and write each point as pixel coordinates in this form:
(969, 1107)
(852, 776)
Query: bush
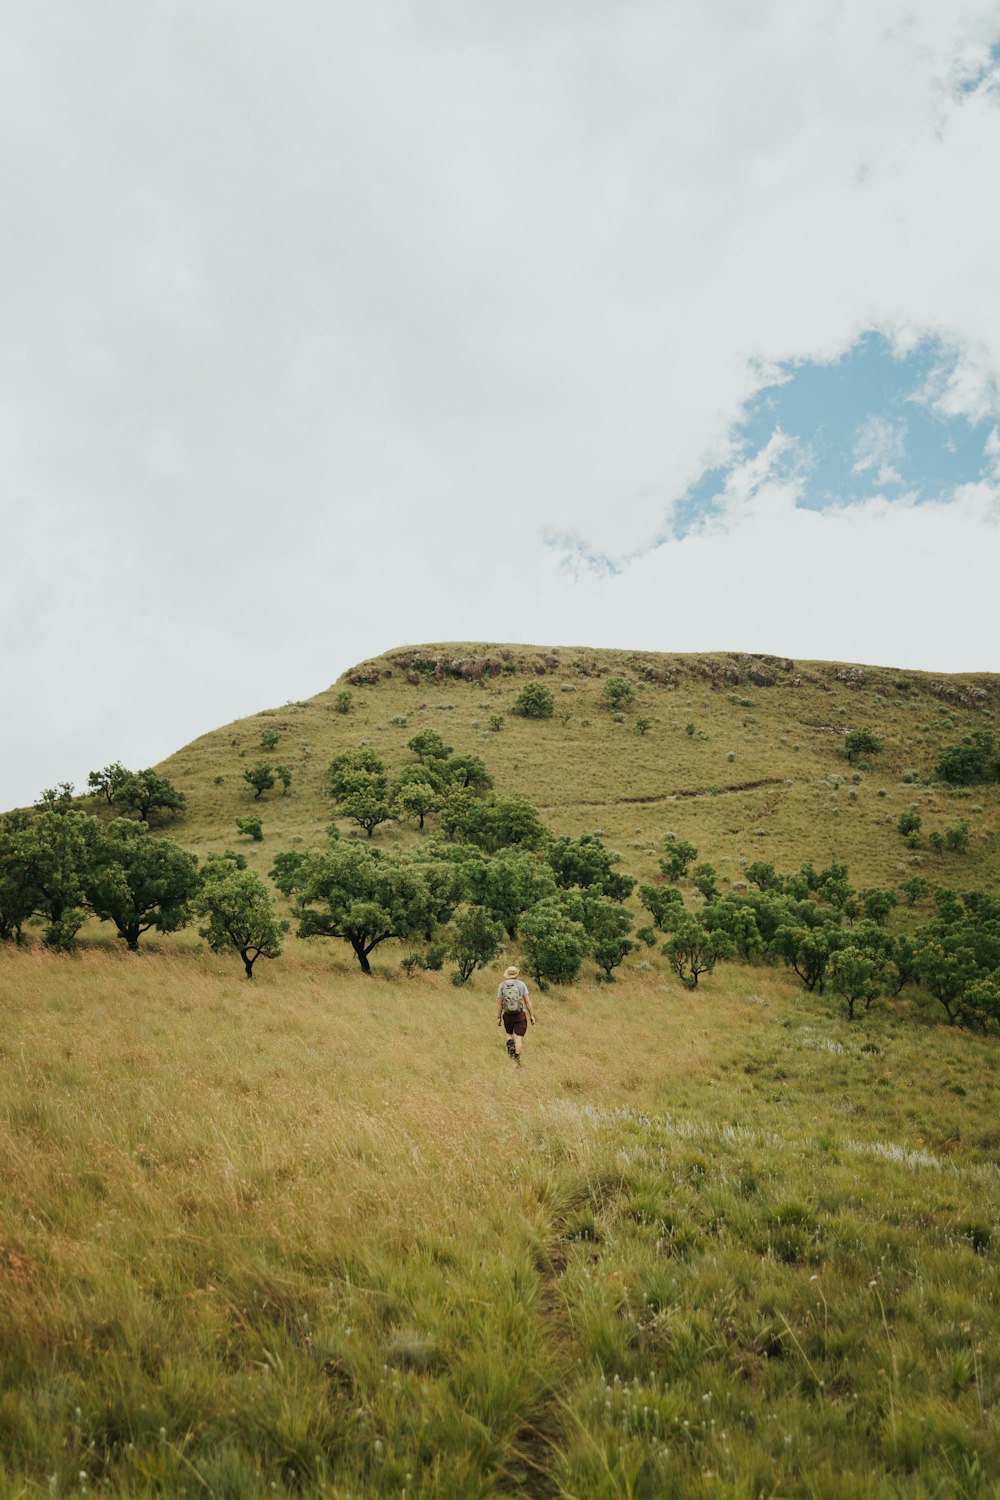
(535, 701)
(909, 823)
(862, 742)
(251, 828)
(343, 702)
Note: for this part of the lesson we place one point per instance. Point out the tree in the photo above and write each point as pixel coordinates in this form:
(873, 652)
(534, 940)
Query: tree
(909, 824)
(239, 913)
(703, 878)
(534, 701)
(138, 882)
(146, 793)
(269, 739)
(508, 884)
(251, 828)
(428, 746)
(260, 777)
(856, 975)
(608, 925)
(554, 944)
(620, 694)
(57, 849)
(664, 904)
(973, 761)
(693, 950)
(957, 838)
(468, 771)
(57, 799)
(107, 783)
(18, 895)
(415, 799)
(476, 942)
(806, 950)
(643, 724)
(914, 889)
(862, 742)
(492, 823)
(366, 897)
(877, 903)
(586, 864)
(360, 787)
(343, 701)
(284, 775)
(679, 855)
(739, 922)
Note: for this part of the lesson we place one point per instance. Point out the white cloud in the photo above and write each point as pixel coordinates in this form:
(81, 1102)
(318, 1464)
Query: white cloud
(316, 318)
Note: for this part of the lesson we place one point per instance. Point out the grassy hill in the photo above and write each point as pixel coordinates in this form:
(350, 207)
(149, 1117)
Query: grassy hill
(318, 1236)
(762, 774)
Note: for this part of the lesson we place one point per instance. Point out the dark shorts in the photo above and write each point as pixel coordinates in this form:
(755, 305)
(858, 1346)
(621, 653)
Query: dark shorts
(515, 1022)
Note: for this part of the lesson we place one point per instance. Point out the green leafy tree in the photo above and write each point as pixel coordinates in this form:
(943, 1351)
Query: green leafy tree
(608, 925)
(956, 839)
(496, 722)
(693, 950)
(360, 787)
(284, 775)
(260, 777)
(106, 783)
(239, 913)
(856, 975)
(664, 903)
(343, 702)
(763, 876)
(18, 894)
(470, 772)
(58, 848)
(643, 724)
(585, 863)
(476, 941)
(147, 794)
(508, 884)
(554, 944)
(137, 881)
(878, 904)
(862, 742)
(807, 951)
(251, 828)
(365, 897)
(619, 694)
(415, 799)
(269, 740)
(915, 889)
(57, 798)
(679, 856)
(973, 761)
(492, 823)
(534, 701)
(704, 879)
(909, 824)
(739, 922)
(428, 746)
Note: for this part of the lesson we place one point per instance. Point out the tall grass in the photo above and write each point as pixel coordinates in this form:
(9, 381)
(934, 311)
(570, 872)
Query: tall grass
(318, 1235)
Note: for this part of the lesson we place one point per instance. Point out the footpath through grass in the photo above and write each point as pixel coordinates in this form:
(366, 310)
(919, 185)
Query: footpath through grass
(318, 1235)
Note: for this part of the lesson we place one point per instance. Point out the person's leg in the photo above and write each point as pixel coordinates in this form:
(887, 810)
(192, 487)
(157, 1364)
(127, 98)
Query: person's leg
(519, 1030)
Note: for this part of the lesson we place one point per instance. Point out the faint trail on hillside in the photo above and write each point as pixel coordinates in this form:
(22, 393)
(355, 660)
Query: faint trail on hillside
(697, 791)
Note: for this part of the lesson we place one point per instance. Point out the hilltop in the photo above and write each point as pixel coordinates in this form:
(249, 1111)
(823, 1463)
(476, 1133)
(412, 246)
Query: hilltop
(743, 754)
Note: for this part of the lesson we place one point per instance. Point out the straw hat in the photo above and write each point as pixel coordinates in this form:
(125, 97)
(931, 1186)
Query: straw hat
(512, 972)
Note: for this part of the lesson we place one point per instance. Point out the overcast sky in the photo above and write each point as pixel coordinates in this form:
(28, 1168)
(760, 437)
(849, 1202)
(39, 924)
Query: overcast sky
(329, 326)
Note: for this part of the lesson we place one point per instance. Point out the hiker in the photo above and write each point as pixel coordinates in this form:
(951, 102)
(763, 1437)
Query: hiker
(513, 1010)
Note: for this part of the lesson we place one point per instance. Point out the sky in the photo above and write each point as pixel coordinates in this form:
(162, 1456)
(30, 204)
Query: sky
(329, 327)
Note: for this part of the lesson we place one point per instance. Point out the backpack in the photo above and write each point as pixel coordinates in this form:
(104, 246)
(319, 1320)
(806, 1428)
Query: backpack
(513, 999)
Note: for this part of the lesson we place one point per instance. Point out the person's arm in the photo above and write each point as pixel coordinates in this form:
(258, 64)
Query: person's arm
(527, 1006)
(499, 1004)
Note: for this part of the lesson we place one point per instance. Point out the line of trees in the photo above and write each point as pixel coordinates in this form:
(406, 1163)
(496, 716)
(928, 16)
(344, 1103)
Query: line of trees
(493, 874)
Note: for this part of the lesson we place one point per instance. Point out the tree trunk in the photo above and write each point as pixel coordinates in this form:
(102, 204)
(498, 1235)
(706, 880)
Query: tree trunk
(248, 963)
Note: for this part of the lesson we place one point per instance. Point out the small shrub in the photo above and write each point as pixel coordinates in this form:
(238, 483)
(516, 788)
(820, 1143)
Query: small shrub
(269, 739)
(343, 702)
(535, 701)
(251, 828)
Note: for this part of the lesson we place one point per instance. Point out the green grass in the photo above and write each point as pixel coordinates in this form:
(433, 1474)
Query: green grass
(318, 1235)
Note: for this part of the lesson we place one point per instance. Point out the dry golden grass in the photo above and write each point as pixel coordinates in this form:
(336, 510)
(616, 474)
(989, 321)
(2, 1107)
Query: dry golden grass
(318, 1234)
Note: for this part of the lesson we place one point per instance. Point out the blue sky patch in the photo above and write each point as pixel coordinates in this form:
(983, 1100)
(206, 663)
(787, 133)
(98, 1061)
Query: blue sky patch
(874, 422)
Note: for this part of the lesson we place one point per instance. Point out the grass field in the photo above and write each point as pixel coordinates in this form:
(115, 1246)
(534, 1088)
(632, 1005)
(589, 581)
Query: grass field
(319, 1235)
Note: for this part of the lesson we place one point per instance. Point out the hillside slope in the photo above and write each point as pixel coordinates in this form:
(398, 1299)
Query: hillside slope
(743, 755)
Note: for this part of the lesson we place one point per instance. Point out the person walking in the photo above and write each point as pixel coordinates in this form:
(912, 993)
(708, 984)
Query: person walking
(513, 1010)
